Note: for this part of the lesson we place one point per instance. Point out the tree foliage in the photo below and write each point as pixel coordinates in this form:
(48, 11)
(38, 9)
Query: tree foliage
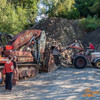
(61, 8)
(70, 8)
(83, 7)
(17, 15)
(90, 23)
(86, 10)
(29, 5)
(96, 7)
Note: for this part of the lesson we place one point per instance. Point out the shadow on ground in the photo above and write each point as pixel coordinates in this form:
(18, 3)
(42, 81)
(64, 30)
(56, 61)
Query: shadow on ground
(63, 84)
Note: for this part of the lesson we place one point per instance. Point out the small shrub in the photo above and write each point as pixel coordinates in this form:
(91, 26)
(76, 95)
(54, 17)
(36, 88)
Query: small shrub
(90, 23)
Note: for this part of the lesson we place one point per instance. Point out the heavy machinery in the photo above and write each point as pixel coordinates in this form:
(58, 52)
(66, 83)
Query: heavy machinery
(81, 58)
(30, 48)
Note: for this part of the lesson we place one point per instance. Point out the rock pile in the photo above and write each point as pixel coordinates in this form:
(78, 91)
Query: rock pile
(61, 30)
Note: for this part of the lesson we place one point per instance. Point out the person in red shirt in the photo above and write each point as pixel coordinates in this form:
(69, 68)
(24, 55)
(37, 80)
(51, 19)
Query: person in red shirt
(90, 48)
(8, 71)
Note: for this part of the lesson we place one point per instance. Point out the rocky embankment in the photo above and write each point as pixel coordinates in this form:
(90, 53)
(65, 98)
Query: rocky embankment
(61, 30)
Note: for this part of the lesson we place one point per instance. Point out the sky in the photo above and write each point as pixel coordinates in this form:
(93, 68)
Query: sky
(41, 16)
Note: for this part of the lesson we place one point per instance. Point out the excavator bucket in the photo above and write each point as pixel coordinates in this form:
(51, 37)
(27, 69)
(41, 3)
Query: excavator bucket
(49, 59)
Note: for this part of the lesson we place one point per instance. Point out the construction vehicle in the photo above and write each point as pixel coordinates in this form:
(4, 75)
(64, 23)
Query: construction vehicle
(32, 52)
(80, 58)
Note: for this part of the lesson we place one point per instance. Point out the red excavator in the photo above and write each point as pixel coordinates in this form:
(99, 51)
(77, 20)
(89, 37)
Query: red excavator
(30, 48)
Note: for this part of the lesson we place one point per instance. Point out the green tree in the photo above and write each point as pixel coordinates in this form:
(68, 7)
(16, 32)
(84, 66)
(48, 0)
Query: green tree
(96, 7)
(83, 7)
(90, 23)
(14, 18)
(29, 5)
(60, 8)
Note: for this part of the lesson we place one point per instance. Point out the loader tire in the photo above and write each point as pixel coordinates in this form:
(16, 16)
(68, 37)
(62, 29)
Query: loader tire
(80, 62)
(97, 64)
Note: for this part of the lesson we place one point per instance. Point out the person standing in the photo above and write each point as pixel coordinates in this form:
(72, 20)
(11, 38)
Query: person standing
(55, 53)
(8, 71)
(0, 77)
(15, 71)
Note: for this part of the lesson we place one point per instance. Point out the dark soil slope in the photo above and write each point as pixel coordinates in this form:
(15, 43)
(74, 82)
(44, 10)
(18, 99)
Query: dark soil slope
(93, 37)
(61, 30)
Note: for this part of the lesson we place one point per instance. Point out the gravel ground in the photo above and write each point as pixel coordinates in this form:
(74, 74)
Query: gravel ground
(63, 84)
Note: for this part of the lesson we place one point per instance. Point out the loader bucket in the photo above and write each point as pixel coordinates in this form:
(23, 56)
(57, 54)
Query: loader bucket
(48, 63)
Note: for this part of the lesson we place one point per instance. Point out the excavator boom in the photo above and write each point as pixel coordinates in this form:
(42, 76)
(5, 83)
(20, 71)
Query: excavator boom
(23, 38)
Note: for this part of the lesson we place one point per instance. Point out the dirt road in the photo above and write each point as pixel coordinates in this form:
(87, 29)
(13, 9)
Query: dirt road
(63, 84)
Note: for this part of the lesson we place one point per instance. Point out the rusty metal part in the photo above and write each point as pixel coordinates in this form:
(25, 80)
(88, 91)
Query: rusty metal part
(48, 63)
(28, 70)
(2, 60)
(24, 37)
(21, 56)
(42, 42)
(41, 47)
